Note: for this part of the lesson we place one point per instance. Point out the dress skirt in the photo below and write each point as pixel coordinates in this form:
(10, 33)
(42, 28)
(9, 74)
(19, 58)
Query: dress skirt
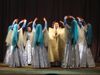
(90, 60)
(20, 53)
(8, 54)
(14, 59)
(86, 58)
(82, 51)
(27, 54)
(40, 58)
(71, 57)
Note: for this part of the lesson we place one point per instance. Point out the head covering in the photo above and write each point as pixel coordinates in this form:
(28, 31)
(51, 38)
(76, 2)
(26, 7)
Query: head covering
(38, 36)
(89, 34)
(74, 32)
(15, 36)
(9, 28)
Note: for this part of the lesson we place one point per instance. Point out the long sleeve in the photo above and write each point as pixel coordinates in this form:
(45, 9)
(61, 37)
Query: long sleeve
(33, 26)
(45, 27)
(24, 24)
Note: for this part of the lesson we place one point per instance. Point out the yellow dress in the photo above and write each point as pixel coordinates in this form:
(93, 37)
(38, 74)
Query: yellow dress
(56, 45)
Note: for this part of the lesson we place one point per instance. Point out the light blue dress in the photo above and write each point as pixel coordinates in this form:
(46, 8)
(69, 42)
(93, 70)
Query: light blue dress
(71, 55)
(16, 58)
(28, 51)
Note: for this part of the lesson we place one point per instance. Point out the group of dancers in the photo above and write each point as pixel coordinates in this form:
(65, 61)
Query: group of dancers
(68, 47)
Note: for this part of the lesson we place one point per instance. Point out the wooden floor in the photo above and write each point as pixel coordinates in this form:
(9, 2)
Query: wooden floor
(4, 69)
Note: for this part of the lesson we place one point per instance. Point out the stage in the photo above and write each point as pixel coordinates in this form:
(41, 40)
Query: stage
(4, 69)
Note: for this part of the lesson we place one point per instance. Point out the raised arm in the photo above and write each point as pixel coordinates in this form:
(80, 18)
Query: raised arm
(34, 22)
(45, 25)
(84, 23)
(65, 22)
(14, 22)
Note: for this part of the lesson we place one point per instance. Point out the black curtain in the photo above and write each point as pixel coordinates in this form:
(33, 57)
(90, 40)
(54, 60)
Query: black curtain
(53, 10)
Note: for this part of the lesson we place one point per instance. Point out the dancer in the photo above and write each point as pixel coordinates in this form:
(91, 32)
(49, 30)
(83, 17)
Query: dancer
(16, 60)
(40, 56)
(86, 55)
(8, 41)
(71, 55)
(27, 54)
(81, 44)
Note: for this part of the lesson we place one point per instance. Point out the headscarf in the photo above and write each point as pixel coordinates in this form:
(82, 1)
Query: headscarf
(89, 34)
(15, 36)
(38, 36)
(74, 32)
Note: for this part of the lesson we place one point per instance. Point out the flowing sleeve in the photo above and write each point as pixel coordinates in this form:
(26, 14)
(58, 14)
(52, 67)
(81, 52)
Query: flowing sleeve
(9, 38)
(66, 34)
(46, 37)
(32, 35)
(63, 33)
(25, 38)
(20, 40)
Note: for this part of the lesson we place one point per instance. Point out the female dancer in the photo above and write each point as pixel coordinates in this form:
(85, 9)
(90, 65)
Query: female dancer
(16, 60)
(27, 54)
(40, 56)
(86, 57)
(71, 55)
(9, 43)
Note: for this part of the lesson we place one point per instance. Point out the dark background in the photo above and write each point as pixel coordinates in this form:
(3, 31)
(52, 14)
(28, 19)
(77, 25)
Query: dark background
(53, 10)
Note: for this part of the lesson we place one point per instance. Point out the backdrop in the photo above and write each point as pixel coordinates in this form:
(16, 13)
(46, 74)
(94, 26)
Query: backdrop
(53, 10)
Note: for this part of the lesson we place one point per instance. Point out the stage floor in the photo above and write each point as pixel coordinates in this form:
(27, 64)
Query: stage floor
(4, 69)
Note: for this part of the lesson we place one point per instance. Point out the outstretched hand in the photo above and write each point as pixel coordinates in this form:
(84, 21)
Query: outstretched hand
(61, 22)
(30, 22)
(70, 16)
(16, 20)
(44, 19)
(66, 16)
(23, 20)
(36, 19)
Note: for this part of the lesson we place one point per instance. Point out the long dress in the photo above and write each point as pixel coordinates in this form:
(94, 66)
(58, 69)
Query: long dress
(8, 54)
(71, 55)
(28, 51)
(9, 46)
(90, 61)
(40, 57)
(21, 47)
(89, 58)
(16, 58)
(56, 46)
(82, 47)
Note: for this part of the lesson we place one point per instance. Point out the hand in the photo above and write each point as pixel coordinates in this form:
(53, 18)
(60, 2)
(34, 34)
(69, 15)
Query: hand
(30, 22)
(56, 36)
(23, 20)
(61, 22)
(66, 16)
(70, 16)
(16, 20)
(36, 19)
(78, 17)
(81, 19)
(44, 19)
